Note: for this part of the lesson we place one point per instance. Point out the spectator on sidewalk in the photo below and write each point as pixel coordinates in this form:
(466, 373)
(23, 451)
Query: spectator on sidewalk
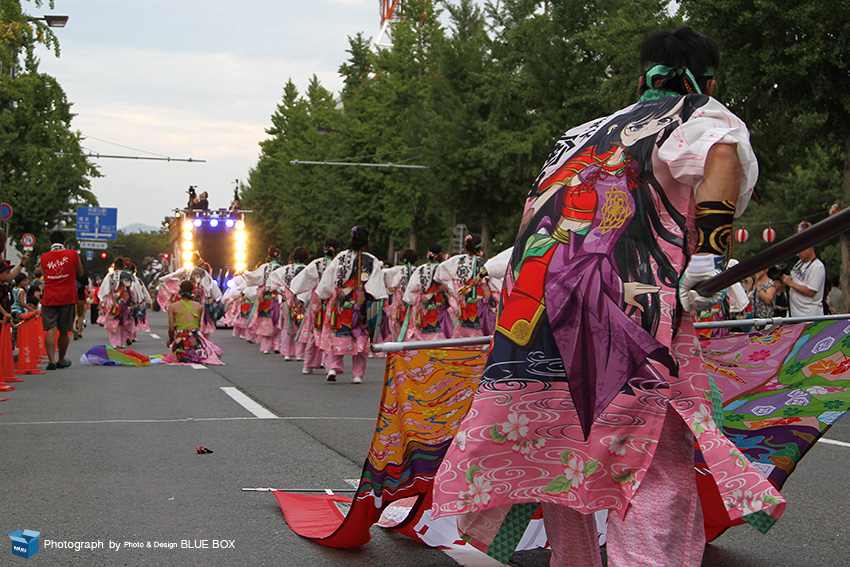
(61, 267)
(835, 298)
(805, 285)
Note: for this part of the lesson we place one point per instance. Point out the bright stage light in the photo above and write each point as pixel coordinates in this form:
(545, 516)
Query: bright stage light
(198, 222)
(188, 265)
(229, 223)
(187, 245)
(240, 256)
(240, 224)
(240, 246)
(187, 225)
(187, 235)
(187, 255)
(240, 266)
(213, 223)
(241, 236)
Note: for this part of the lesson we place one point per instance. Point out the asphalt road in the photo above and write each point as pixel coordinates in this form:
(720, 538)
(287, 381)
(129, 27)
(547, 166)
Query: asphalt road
(107, 455)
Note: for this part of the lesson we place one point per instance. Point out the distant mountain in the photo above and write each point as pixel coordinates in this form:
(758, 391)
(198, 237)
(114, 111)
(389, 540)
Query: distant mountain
(139, 227)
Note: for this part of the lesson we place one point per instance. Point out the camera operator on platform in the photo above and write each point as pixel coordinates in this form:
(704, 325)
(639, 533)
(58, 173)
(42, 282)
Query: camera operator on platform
(198, 202)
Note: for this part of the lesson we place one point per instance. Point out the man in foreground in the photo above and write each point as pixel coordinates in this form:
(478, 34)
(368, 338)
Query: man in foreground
(61, 269)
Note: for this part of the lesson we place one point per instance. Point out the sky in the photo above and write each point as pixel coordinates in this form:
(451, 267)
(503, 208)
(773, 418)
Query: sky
(189, 78)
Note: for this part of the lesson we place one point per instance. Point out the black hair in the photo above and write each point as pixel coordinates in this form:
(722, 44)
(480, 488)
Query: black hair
(274, 254)
(409, 256)
(57, 237)
(118, 263)
(359, 238)
(20, 278)
(332, 242)
(301, 255)
(187, 287)
(681, 48)
(472, 244)
(434, 251)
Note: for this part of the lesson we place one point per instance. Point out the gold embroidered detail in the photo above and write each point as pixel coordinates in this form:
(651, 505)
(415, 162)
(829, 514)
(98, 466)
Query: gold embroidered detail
(615, 211)
(522, 331)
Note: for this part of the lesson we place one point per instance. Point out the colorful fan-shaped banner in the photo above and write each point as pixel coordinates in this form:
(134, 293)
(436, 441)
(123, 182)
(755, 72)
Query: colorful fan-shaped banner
(781, 391)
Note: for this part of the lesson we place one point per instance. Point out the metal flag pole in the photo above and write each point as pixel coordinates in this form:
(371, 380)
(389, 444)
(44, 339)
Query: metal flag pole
(771, 322)
(485, 340)
(807, 238)
(325, 490)
(442, 343)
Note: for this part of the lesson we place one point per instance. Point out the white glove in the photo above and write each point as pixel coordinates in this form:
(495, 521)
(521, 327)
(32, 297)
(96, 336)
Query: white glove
(700, 268)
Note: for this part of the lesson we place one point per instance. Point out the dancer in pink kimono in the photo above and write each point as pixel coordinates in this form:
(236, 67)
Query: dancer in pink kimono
(205, 290)
(351, 279)
(264, 320)
(398, 312)
(117, 296)
(311, 328)
(430, 317)
(188, 344)
(595, 390)
(466, 279)
(292, 305)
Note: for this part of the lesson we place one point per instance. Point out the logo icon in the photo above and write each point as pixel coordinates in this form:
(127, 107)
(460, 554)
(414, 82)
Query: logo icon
(24, 544)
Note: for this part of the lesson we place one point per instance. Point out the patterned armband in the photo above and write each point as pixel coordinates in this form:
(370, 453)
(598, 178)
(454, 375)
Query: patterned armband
(713, 224)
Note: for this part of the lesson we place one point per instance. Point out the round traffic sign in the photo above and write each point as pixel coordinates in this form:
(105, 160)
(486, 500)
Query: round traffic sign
(5, 211)
(28, 240)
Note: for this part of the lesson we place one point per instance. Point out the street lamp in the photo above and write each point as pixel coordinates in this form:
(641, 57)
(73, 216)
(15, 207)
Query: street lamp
(55, 21)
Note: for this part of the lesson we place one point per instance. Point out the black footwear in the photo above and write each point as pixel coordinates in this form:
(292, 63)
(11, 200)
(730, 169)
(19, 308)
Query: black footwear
(63, 364)
(51, 366)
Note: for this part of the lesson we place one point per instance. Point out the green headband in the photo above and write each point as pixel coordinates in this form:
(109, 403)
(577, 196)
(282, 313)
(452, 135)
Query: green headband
(658, 74)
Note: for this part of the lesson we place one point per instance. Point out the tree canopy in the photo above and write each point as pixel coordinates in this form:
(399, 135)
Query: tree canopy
(42, 168)
(479, 93)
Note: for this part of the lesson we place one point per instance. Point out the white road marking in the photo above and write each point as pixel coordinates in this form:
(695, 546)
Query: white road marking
(468, 556)
(178, 420)
(834, 442)
(198, 366)
(154, 336)
(248, 403)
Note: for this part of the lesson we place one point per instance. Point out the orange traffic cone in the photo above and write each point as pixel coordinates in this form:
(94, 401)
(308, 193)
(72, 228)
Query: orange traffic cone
(28, 358)
(7, 365)
(42, 352)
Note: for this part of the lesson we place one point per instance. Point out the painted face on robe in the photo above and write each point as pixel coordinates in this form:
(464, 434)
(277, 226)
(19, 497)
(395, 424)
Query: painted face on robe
(650, 126)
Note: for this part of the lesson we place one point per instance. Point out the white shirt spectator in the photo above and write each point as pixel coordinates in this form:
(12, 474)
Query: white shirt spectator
(811, 274)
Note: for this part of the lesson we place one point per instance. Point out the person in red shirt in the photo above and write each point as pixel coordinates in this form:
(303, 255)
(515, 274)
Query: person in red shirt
(61, 267)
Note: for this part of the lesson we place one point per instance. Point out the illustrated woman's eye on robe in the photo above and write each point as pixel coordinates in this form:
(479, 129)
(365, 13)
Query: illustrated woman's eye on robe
(634, 128)
(665, 121)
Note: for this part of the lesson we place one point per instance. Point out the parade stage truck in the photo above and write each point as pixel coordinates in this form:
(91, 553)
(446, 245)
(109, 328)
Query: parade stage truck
(217, 235)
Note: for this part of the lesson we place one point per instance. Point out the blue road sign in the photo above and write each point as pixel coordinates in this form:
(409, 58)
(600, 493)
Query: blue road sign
(89, 254)
(97, 223)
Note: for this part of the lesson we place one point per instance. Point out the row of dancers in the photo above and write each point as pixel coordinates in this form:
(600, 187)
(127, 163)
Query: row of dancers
(337, 305)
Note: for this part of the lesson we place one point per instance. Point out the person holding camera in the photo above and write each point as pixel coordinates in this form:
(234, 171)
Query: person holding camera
(198, 202)
(805, 285)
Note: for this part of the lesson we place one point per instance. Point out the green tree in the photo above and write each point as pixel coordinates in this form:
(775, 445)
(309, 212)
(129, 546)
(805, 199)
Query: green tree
(42, 168)
(785, 69)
